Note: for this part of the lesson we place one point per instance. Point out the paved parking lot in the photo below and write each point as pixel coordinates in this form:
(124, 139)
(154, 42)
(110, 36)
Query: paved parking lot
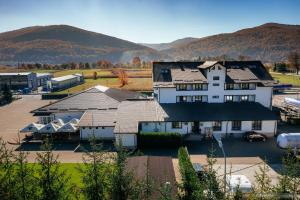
(16, 116)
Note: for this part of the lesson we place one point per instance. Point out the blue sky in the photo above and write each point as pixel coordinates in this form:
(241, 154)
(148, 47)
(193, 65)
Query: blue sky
(151, 21)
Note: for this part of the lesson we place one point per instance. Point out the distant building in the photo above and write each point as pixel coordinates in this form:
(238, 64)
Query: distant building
(43, 78)
(19, 81)
(64, 82)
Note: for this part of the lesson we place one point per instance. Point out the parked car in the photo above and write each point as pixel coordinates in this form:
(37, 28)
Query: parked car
(252, 136)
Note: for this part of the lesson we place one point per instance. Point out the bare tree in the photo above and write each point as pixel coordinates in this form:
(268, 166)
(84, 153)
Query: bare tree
(122, 76)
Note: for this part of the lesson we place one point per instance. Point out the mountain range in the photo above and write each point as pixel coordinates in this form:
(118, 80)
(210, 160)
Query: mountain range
(62, 43)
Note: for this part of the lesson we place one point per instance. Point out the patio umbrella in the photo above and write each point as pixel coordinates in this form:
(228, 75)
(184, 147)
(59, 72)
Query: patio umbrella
(58, 122)
(32, 127)
(49, 128)
(74, 121)
(68, 128)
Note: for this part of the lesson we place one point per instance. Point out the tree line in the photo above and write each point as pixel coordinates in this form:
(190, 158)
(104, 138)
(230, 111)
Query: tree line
(100, 64)
(105, 176)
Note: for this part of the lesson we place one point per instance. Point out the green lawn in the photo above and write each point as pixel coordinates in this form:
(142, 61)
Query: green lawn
(284, 78)
(71, 170)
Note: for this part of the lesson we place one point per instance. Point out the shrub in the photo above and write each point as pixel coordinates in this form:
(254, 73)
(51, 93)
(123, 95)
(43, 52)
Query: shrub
(191, 186)
(159, 139)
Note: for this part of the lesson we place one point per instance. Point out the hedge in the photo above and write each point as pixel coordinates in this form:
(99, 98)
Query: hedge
(159, 139)
(191, 186)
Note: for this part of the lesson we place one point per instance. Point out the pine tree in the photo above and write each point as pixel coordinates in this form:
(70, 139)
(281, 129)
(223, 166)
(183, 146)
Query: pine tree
(94, 172)
(165, 191)
(289, 182)
(7, 181)
(52, 180)
(7, 94)
(25, 182)
(123, 186)
(263, 188)
(213, 185)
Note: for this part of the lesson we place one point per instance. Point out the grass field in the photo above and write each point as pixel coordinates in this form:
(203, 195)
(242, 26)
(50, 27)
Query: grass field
(100, 72)
(136, 84)
(284, 78)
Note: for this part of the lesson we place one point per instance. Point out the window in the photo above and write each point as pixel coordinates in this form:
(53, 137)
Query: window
(229, 86)
(236, 125)
(217, 125)
(198, 86)
(245, 86)
(252, 86)
(180, 99)
(97, 127)
(236, 86)
(215, 97)
(251, 97)
(176, 125)
(216, 84)
(200, 98)
(216, 78)
(103, 127)
(181, 87)
(228, 98)
(256, 125)
(244, 98)
(205, 86)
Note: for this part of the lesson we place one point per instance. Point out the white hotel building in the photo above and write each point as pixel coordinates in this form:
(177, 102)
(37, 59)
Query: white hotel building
(226, 98)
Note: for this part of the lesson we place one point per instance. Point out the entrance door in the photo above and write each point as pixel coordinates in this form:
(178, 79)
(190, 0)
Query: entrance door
(195, 127)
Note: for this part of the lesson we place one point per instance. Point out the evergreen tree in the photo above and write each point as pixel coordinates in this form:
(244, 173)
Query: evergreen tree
(238, 194)
(7, 181)
(25, 187)
(263, 188)
(289, 182)
(123, 186)
(95, 173)
(52, 180)
(165, 191)
(212, 183)
(7, 94)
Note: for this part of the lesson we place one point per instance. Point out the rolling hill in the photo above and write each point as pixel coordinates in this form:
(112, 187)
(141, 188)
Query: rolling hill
(269, 42)
(174, 44)
(62, 43)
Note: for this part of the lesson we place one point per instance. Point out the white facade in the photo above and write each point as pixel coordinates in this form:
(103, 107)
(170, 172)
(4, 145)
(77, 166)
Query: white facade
(105, 133)
(216, 91)
(268, 128)
(127, 140)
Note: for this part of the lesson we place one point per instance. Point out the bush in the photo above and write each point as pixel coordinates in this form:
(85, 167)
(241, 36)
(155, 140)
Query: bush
(191, 186)
(159, 139)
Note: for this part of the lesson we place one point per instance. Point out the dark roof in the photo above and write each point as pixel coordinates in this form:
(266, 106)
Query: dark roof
(160, 170)
(187, 75)
(96, 98)
(98, 118)
(244, 111)
(237, 71)
(240, 75)
(150, 111)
